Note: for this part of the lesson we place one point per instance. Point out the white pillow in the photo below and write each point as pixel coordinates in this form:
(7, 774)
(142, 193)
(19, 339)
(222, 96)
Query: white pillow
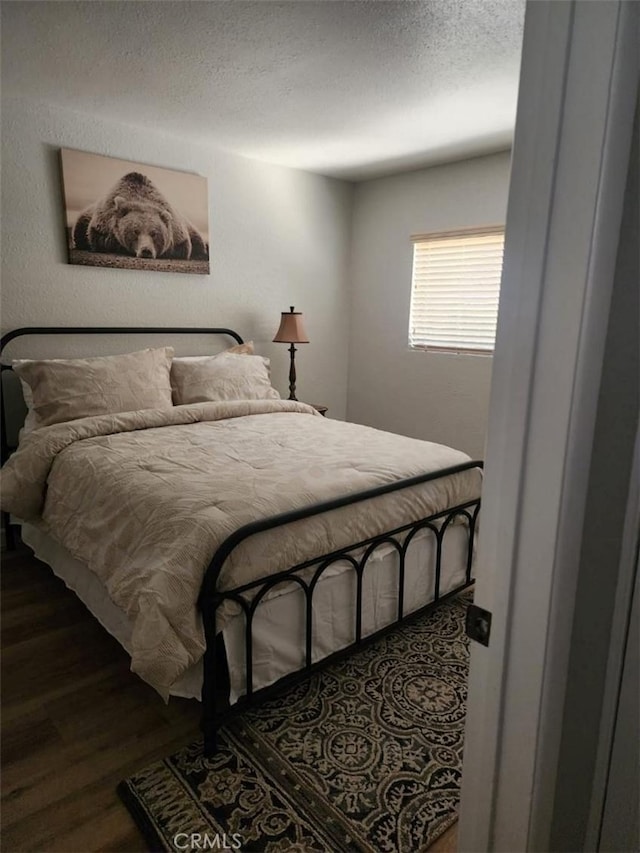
(226, 376)
(67, 389)
(31, 420)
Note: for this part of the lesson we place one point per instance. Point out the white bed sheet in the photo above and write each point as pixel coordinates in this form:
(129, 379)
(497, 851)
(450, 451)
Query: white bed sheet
(279, 623)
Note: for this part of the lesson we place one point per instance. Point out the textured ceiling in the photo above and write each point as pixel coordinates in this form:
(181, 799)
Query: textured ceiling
(351, 89)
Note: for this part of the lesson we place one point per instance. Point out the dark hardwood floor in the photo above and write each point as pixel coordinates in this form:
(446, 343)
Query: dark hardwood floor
(75, 721)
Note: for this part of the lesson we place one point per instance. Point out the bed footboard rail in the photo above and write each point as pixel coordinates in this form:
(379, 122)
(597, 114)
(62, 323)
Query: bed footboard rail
(216, 711)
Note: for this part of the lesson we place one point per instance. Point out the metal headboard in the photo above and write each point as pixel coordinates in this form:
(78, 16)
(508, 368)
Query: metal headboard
(5, 448)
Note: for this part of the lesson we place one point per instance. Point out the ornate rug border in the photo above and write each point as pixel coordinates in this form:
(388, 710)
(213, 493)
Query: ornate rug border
(141, 817)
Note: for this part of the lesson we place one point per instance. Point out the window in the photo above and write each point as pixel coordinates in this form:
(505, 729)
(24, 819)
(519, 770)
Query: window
(455, 290)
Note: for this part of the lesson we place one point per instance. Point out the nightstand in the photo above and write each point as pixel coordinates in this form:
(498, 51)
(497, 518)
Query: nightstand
(322, 409)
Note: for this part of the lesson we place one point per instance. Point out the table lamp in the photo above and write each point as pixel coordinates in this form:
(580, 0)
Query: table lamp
(292, 332)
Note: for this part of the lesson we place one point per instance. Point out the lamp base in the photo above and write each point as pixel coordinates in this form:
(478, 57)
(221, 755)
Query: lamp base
(292, 374)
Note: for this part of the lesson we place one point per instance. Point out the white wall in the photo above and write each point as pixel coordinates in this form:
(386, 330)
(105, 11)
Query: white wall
(440, 397)
(278, 237)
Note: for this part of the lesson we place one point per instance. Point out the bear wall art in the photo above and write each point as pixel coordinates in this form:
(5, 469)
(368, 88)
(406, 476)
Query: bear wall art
(130, 216)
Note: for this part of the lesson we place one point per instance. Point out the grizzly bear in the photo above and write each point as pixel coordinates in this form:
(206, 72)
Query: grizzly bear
(134, 218)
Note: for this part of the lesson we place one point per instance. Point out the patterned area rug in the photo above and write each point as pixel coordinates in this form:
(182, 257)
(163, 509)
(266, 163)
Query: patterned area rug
(364, 756)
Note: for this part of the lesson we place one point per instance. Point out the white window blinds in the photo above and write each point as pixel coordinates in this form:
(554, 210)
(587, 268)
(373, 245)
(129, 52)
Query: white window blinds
(456, 289)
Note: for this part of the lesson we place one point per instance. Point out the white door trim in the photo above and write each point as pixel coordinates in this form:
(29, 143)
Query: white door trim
(577, 95)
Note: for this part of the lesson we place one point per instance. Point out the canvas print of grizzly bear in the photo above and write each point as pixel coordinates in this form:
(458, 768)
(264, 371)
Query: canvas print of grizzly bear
(125, 215)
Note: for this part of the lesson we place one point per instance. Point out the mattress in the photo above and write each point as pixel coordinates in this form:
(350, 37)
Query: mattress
(279, 624)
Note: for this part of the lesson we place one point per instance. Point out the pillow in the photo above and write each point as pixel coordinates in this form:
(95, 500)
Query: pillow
(241, 349)
(67, 389)
(31, 421)
(226, 376)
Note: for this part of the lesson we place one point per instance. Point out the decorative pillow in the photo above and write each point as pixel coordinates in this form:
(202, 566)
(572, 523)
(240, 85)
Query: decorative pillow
(226, 376)
(67, 389)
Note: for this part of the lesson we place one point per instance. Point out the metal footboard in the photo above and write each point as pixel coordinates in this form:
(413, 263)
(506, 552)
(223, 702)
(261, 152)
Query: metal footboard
(216, 708)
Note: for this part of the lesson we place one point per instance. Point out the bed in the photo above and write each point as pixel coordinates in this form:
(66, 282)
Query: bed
(232, 545)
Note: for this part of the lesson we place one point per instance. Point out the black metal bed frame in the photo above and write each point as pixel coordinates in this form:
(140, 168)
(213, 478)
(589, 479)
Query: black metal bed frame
(216, 709)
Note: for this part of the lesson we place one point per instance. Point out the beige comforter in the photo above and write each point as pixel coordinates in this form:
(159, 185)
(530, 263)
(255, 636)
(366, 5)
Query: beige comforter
(145, 498)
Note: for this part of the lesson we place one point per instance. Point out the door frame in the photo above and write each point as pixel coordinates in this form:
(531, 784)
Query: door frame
(578, 90)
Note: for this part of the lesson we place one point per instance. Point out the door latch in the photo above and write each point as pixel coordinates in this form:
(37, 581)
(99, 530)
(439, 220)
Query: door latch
(478, 624)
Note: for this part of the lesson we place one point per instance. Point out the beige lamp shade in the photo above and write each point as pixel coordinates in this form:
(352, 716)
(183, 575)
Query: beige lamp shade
(292, 330)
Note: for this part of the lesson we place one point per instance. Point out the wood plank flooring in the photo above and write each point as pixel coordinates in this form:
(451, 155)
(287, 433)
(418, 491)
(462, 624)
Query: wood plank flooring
(75, 721)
